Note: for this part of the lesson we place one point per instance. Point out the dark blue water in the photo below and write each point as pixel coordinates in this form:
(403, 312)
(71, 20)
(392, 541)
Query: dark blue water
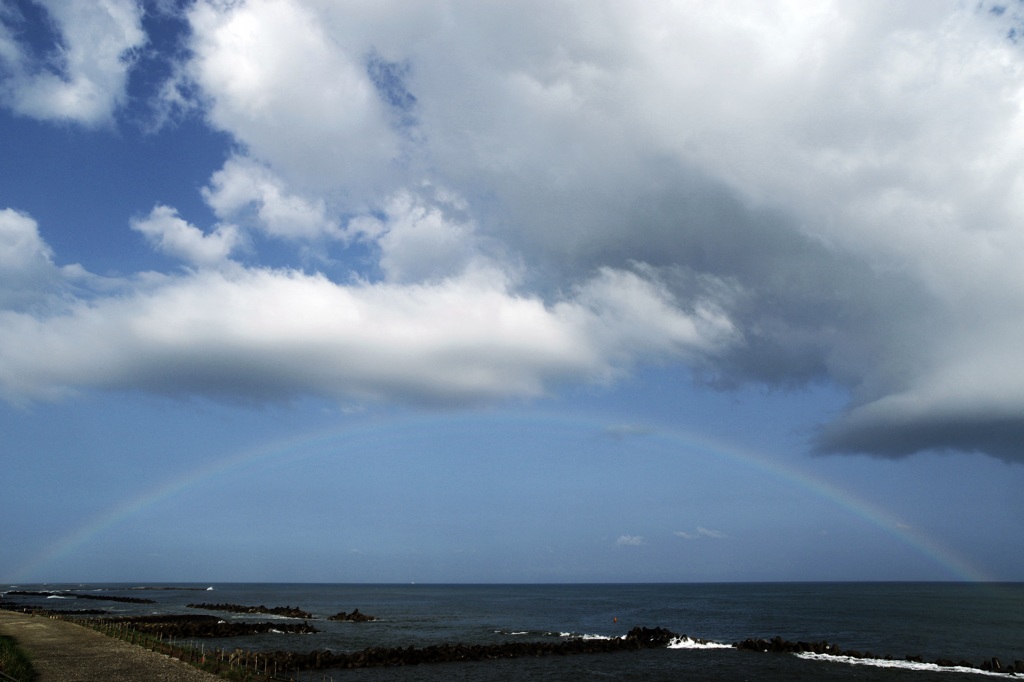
(958, 621)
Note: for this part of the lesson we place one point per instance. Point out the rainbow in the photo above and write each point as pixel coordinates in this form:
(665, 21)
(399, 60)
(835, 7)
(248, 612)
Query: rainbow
(313, 444)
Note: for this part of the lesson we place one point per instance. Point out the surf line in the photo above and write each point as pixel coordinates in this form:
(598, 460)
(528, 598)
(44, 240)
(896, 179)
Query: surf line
(309, 445)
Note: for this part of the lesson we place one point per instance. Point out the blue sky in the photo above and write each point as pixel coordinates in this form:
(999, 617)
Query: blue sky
(450, 292)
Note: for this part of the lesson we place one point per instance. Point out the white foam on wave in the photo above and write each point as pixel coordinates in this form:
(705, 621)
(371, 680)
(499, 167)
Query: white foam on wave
(903, 665)
(687, 643)
(56, 596)
(595, 637)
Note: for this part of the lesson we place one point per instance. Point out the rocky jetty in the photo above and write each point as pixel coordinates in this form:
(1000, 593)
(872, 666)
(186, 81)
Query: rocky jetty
(638, 638)
(779, 645)
(75, 595)
(354, 617)
(285, 611)
(185, 626)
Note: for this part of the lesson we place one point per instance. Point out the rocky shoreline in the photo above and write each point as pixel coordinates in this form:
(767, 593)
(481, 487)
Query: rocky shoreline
(180, 627)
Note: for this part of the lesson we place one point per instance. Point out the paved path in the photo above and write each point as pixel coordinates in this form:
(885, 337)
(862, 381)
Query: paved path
(65, 652)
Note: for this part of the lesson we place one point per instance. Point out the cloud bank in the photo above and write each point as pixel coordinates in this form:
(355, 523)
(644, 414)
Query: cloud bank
(261, 334)
(543, 193)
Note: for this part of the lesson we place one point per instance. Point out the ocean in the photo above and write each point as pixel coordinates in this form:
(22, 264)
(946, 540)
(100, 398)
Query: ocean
(957, 621)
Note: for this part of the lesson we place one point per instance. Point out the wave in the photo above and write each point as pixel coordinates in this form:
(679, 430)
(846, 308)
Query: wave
(563, 635)
(547, 633)
(903, 665)
(532, 633)
(685, 642)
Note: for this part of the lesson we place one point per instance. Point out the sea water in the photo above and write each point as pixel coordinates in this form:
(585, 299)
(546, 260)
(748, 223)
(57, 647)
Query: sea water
(973, 622)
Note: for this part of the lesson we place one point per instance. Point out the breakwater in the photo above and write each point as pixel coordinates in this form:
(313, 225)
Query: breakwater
(285, 611)
(186, 626)
(76, 595)
(824, 648)
(637, 638)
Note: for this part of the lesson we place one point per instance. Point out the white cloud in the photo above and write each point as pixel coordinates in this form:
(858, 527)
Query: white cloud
(292, 92)
(701, 532)
(629, 541)
(418, 242)
(770, 192)
(84, 79)
(27, 271)
(852, 171)
(259, 334)
(10, 51)
(176, 237)
(637, 314)
(21, 247)
(243, 185)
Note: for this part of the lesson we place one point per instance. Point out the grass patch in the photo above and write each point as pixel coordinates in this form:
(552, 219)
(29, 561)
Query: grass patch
(14, 662)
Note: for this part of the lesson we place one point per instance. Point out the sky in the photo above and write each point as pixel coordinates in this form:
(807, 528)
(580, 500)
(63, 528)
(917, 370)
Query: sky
(559, 291)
